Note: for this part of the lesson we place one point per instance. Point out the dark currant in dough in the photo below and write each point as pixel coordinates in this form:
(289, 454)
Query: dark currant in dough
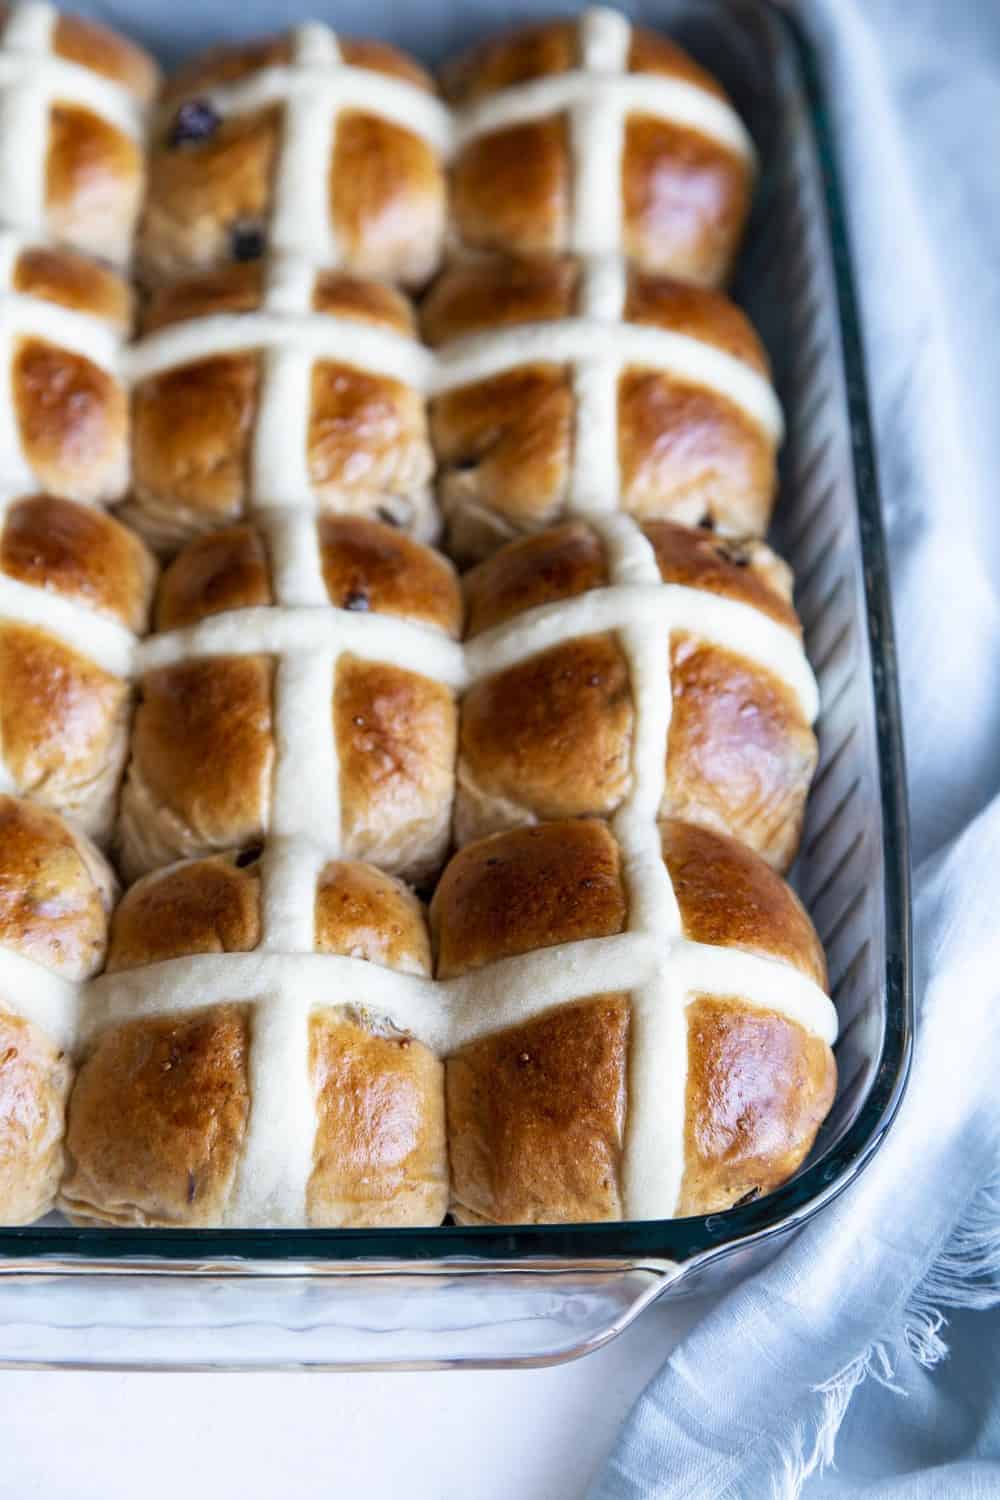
(246, 238)
(735, 551)
(195, 121)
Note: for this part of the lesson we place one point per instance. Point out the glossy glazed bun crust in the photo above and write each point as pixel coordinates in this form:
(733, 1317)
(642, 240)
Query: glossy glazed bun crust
(538, 1114)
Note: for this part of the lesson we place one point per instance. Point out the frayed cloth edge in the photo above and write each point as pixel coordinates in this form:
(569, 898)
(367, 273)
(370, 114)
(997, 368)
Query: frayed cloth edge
(965, 1275)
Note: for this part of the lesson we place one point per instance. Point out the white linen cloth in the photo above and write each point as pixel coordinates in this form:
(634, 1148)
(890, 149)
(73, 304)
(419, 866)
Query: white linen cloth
(855, 1314)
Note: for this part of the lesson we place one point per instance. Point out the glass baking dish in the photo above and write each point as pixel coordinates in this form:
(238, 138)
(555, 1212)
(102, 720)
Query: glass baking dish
(319, 1299)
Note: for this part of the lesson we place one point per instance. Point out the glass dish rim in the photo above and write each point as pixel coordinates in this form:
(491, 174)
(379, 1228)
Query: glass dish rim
(690, 1241)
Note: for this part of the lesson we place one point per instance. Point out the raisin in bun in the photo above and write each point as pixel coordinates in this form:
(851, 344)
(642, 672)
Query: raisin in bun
(304, 682)
(306, 143)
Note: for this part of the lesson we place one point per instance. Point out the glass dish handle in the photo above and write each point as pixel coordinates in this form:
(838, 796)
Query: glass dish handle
(349, 1316)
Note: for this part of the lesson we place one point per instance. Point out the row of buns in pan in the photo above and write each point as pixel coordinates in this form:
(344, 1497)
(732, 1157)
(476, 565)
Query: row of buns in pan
(577, 135)
(165, 1124)
(535, 718)
(528, 384)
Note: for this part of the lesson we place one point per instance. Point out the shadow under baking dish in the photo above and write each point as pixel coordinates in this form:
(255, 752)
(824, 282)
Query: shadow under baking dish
(476, 1296)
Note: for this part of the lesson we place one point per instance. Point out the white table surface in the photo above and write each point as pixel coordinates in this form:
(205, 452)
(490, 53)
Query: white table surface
(481, 1435)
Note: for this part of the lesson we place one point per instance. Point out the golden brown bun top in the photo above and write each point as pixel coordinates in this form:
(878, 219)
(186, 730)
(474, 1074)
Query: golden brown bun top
(568, 560)
(362, 913)
(370, 566)
(472, 296)
(533, 570)
(103, 51)
(560, 882)
(80, 553)
(728, 896)
(744, 569)
(55, 891)
(550, 47)
(221, 570)
(239, 288)
(478, 295)
(76, 282)
(367, 566)
(213, 906)
(223, 65)
(527, 889)
(201, 906)
(699, 312)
